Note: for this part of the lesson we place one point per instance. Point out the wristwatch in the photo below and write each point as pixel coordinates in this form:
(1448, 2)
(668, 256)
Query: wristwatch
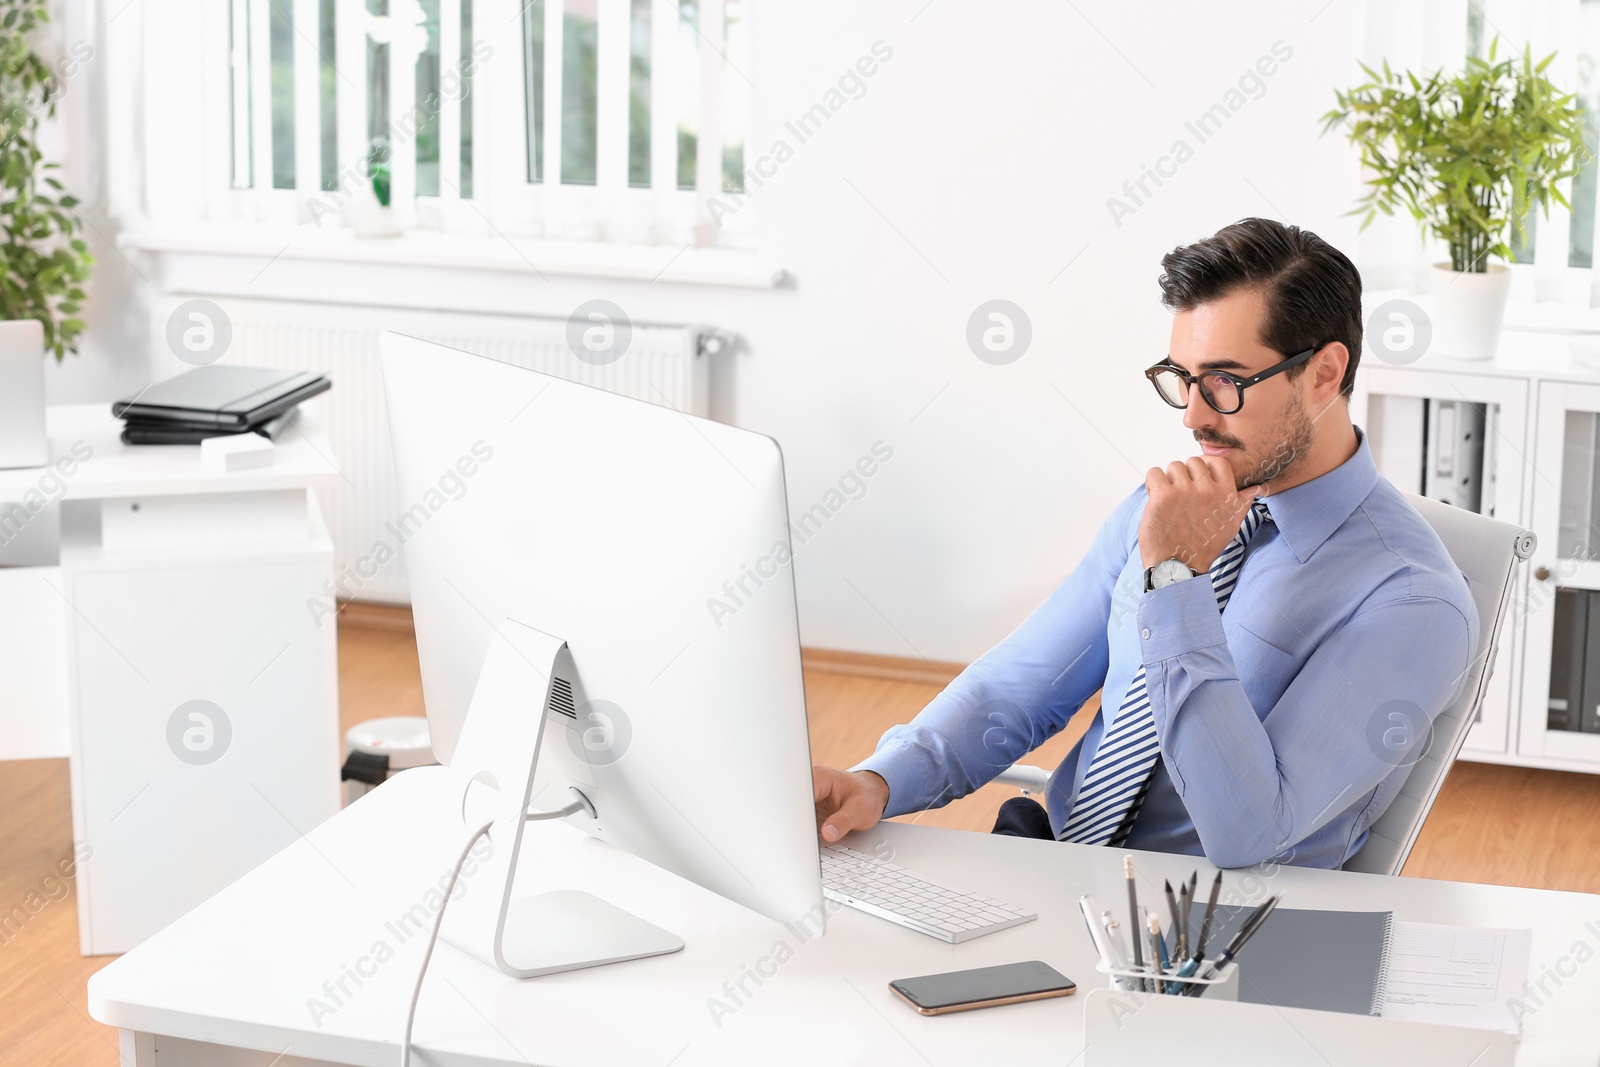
(1167, 572)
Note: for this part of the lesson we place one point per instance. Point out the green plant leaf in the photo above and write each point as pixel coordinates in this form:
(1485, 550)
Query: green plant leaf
(43, 265)
(1467, 154)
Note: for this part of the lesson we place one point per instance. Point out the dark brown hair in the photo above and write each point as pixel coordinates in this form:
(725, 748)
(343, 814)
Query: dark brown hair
(1312, 291)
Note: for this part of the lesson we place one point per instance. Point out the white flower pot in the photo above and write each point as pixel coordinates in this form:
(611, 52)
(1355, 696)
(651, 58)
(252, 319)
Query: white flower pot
(1469, 309)
(378, 222)
(368, 218)
(22, 437)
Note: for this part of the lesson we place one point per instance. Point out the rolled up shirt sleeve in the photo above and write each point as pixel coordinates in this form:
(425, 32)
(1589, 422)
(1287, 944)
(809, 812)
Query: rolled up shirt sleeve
(1256, 781)
(1019, 693)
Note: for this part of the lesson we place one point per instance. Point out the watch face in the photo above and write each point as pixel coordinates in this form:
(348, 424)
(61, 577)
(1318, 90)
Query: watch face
(1168, 571)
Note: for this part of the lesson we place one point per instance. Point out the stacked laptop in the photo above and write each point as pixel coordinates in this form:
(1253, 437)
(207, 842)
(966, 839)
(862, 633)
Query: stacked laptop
(215, 401)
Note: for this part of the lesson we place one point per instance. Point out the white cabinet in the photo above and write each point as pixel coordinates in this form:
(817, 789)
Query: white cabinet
(171, 632)
(1395, 399)
(1539, 468)
(1565, 507)
(175, 806)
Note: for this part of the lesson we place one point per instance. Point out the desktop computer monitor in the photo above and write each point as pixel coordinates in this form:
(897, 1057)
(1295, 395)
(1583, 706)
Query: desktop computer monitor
(655, 546)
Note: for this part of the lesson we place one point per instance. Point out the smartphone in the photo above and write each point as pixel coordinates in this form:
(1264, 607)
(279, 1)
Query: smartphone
(982, 987)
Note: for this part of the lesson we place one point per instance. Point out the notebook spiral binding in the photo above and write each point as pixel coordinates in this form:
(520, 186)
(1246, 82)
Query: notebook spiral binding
(1380, 988)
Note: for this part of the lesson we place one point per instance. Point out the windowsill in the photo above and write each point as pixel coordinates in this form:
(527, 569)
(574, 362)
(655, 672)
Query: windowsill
(465, 251)
(1552, 317)
(1522, 316)
(1559, 341)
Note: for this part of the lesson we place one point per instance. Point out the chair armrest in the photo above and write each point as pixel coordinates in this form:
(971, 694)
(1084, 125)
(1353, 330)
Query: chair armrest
(1026, 778)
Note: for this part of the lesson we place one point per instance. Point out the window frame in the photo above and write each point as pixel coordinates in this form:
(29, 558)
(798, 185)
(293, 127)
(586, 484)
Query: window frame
(1547, 26)
(503, 202)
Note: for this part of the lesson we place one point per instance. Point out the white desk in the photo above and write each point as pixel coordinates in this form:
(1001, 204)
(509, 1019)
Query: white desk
(240, 972)
(135, 584)
(114, 469)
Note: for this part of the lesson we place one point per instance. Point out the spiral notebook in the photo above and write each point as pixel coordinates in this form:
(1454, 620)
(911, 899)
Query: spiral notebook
(1365, 963)
(1325, 960)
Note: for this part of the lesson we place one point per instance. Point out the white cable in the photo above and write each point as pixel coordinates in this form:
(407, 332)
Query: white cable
(433, 938)
(582, 803)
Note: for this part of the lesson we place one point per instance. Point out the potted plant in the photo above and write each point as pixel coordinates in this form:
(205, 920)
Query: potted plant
(371, 214)
(1468, 155)
(44, 263)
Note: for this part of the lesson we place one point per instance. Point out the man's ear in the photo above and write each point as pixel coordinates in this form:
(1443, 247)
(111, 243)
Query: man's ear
(1328, 366)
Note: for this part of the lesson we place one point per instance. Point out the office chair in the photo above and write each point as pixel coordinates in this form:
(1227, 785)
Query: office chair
(1485, 550)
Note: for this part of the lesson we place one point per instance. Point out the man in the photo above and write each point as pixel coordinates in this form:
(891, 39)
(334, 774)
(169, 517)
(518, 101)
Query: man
(1272, 625)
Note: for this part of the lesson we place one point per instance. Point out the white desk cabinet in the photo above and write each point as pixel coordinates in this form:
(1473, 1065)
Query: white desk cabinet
(1529, 393)
(201, 693)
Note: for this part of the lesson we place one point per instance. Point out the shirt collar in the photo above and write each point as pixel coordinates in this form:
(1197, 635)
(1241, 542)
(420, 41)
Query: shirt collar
(1308, 513)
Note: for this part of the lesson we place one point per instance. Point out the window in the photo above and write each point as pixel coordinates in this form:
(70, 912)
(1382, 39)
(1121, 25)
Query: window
(1555, 254)
(610, 120)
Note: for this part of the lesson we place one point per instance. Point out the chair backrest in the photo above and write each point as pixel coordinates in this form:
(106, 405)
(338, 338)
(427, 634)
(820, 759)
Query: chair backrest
(1486, 550)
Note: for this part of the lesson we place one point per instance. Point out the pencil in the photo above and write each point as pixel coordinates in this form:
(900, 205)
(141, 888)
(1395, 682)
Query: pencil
(1182, 932)
(1133, 914)
(1205, 925)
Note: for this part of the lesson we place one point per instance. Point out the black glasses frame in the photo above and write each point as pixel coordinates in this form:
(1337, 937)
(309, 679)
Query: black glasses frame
(1239, 384)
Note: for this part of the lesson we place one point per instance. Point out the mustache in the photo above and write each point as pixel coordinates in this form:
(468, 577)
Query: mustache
(1219, 442)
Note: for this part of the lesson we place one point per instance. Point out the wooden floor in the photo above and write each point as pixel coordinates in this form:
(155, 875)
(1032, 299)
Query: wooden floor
(1501, 825)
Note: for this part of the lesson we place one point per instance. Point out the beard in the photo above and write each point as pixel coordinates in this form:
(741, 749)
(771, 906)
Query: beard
(1293, 441)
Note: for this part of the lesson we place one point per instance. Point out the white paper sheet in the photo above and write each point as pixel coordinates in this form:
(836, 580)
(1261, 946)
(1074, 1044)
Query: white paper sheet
(1457, 975)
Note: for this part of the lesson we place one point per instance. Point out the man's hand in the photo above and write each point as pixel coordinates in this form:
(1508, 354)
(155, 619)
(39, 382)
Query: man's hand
(1194, 511)
(847, 800)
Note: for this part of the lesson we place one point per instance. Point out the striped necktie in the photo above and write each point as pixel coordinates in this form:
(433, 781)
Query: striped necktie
(1114, 787)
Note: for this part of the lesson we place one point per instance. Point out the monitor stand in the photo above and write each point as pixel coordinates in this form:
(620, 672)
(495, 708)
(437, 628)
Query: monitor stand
(493, 773)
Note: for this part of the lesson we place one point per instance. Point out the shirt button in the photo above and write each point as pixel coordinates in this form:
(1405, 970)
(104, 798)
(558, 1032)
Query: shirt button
(1145, 633)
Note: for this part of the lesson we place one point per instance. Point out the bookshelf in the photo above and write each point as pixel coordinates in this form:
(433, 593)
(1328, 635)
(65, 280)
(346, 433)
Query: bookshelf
(1517, 437)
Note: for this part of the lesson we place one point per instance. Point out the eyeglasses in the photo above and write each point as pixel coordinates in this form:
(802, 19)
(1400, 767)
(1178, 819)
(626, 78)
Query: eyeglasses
(1223, 391)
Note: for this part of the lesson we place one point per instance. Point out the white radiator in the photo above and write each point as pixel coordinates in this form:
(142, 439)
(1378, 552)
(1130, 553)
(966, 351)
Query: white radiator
(663, 365)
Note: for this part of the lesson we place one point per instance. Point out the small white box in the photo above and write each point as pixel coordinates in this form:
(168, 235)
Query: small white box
(236, 452)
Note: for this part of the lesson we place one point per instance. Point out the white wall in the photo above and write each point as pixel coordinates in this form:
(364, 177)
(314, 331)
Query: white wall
(991, 141)
(95, 156)
(977, 165)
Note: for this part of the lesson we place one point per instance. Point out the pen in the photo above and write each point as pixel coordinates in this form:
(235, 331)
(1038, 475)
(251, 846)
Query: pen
(1142, 933)
(1101, 944)
(1114, 939)
(1133, 913)
(1086, 905)
(1251, 925)
(1114, 932)
(1158, 955)
(1190, 965)
(1205, 925)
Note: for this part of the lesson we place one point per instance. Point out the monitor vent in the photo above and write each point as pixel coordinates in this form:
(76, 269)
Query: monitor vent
(561, 697)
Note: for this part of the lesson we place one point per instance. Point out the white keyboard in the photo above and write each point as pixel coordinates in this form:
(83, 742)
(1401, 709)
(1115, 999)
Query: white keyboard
(891, 892)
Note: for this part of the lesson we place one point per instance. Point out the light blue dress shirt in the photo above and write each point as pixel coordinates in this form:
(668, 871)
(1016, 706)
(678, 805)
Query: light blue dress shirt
(1284, 721)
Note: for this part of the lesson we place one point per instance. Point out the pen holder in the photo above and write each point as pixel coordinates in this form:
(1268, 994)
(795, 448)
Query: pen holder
(1224, 986)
